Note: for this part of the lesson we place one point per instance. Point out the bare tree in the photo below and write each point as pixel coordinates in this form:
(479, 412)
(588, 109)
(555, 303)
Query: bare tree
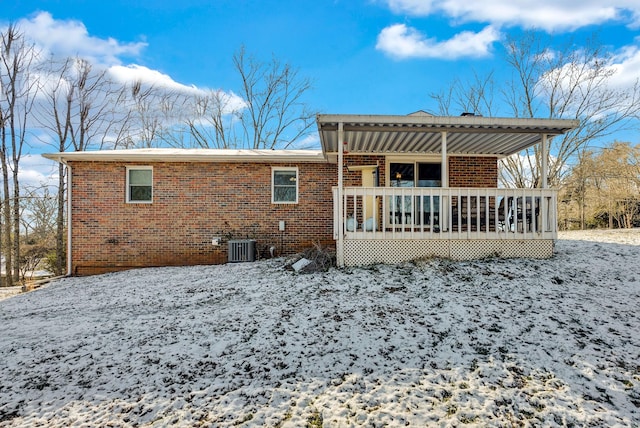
(573, 84)
(38, 217)
(568, 83)
(617, 166)
(268, 112)
(97, 115)
(604, 187)
(275, 114)
(18, 88)
(215, 119)
(474, 96)
(83, 108)
(154, 112)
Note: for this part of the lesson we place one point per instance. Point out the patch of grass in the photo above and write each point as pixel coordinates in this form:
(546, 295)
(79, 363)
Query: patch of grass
(287, 416)
(474, 365)
(627, 383)
(482, 350)
(451, 410)
(445, 395)
(315, 420)
(468, 419)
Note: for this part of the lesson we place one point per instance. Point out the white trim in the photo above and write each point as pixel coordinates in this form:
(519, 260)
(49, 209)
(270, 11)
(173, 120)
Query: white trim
(128, 187)
(190, 155)
(509, 123)
(284, 168)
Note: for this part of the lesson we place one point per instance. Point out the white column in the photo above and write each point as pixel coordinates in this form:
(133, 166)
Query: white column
(445, 163)
(544, 165)
(444, 169)
(340, 244)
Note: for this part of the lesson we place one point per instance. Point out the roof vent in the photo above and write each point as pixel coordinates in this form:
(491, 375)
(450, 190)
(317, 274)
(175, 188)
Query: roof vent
(466, 113)
(420, 113)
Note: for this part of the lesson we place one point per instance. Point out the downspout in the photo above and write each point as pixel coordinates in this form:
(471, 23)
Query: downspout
(340, 246)
(69, 273)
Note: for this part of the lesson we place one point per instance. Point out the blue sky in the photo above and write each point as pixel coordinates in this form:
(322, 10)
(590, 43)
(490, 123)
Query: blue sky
(363, 56)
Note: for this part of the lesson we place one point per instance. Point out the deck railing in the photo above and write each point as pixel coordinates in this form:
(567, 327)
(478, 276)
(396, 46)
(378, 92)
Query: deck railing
(453, 213)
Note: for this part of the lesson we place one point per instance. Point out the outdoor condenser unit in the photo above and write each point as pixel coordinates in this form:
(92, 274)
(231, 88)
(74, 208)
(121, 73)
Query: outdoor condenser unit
(242, 250)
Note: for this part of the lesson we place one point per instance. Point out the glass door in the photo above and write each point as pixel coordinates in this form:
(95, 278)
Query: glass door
(429, 175)
(404, 210)
(401, 175)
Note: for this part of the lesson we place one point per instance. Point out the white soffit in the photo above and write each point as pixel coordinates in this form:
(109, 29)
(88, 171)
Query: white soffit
(468, 135)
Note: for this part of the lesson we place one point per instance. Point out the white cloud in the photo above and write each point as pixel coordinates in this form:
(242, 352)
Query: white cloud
(412, 7)
(36, 171)
(626, 65)
(400, 41)
(549, 15)
(133, 72)
(71, 38)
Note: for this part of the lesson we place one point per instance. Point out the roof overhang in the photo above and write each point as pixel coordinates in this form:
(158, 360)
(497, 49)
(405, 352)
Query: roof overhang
(422, 133)
(189, 155)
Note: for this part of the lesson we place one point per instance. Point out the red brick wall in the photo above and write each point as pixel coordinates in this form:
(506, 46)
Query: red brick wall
(192, 203)
(354, 178)
(473, 171)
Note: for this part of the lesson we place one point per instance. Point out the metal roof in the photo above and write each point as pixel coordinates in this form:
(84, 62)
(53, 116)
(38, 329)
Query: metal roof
(422, 133)
(190, 155)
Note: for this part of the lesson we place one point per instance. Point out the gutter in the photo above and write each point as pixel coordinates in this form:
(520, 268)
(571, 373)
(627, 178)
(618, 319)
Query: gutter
(190, 155)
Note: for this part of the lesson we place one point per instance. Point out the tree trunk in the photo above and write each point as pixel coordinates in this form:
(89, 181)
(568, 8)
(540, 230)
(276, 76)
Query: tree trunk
(16, 226)
(6, 211)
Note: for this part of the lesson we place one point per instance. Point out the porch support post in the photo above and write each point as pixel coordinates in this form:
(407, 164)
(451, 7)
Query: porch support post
(544, 163)
(445, 164)
(444, 170)
(340, 216)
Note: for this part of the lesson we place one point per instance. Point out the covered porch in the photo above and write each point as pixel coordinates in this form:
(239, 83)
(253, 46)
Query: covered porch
(405, 208)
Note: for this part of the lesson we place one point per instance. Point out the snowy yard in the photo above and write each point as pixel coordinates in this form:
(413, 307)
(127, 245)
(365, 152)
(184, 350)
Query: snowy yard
(432, 343)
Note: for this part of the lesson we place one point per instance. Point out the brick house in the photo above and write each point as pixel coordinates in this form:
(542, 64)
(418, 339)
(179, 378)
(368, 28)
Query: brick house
(395, 188)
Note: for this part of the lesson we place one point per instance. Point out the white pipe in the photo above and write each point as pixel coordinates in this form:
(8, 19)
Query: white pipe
(69, 272)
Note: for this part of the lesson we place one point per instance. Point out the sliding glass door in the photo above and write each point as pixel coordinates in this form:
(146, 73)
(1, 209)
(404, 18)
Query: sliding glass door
(418, 210)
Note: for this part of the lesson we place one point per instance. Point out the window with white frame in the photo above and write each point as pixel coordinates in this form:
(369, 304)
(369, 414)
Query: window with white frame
(284, 185)
(140, 184)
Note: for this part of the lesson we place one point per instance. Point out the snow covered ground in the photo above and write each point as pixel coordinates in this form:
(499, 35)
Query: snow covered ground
(433, 343)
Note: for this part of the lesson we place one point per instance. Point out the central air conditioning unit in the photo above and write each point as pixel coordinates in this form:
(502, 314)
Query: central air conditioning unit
(242, 250)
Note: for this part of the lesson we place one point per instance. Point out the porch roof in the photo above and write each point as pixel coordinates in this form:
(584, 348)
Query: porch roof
(422, 133)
